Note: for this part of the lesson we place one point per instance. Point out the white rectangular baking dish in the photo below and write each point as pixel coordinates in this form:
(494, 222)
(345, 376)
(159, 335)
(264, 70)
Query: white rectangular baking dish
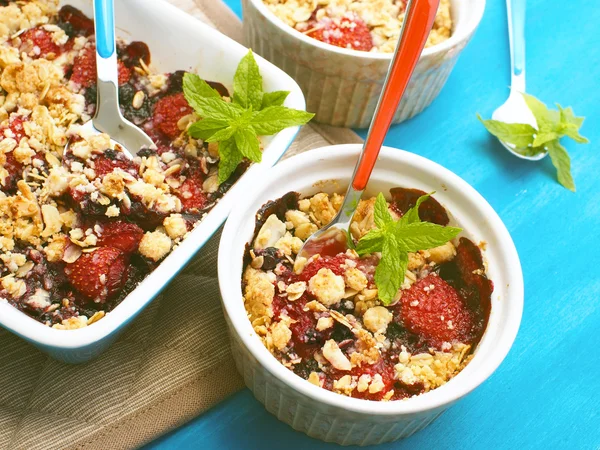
(177, 41)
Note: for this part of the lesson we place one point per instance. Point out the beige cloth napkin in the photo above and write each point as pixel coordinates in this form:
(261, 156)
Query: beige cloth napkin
(172, 364)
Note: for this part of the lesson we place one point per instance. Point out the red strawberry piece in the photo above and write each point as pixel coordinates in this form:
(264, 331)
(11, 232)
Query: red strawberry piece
(125, 236)
(349, 32)
(432, 308)
(84, 69)
(334, 263)
(99, 274)
(38, 43)
(167, 112)
(192, 197)
(80, 22)
(430, 210)
(110, 160)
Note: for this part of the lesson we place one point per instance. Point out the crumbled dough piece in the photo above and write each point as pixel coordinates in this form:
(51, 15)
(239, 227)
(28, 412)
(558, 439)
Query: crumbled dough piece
(296, 217)
(377, 319)
(327, 287)
(345, 385)
(442, 254)
(155, 245)
(258, 294)
(355, 279)
(288, 244)
(175, 226)
(281, 334)
(415, 261)
(363, 382)
(377, 385)
(324, 323)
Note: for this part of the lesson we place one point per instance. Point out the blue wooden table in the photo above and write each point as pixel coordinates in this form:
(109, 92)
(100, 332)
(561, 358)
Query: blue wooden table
(546, 394)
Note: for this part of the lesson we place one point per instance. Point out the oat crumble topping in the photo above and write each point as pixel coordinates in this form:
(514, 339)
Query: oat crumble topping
(368, 25)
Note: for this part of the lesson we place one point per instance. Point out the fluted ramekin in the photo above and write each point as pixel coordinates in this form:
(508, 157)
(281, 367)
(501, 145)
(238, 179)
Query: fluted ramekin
(323, 414)
(342, 86)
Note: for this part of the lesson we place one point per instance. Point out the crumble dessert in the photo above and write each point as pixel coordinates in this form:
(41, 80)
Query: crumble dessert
(323, 318)
(366, 25)
(79, 230)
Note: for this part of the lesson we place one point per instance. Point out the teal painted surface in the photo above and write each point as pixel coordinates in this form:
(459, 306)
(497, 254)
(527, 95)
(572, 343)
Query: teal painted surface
(547, 392)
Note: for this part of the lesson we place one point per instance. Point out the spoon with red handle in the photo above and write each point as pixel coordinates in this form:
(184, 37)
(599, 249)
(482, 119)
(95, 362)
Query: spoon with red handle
(418, 21)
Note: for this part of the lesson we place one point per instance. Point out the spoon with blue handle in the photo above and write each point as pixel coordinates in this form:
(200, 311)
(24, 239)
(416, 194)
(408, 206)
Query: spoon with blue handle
(515, 110)
(108, 117)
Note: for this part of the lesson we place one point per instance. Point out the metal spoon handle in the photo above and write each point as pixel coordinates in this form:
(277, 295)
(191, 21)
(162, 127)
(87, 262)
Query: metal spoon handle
(107, 103)
(418, 21)
(516, 36)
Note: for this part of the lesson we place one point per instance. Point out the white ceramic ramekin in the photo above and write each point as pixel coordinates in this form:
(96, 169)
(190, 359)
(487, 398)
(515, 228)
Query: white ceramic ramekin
(326, 415)
(342, 86)
(177, 42)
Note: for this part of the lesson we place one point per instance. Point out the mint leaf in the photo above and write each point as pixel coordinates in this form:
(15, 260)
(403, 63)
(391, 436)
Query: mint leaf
(544, 137)
(518, 134)
(273, 119)
(571, 124)
(230, 159)
(561, 160)
(196, 87)
(371, 242)
(391, 270)
(236, 125)
(205, 128)
(412, 215)
(216, 109)
(381, 214)
(552, 126)
(424, 235)
(221, 135)
(543, 116)
(248, 84)
(276, 98)
(395, 239)
(248, 145)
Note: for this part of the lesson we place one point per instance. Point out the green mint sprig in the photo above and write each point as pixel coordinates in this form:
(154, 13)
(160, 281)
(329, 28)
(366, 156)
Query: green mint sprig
(552, 125)
(395, 239)
(236, 125)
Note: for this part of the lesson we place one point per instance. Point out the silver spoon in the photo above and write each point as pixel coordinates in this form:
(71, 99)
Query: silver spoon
(333, 238)
(108, 117)
(515, 110)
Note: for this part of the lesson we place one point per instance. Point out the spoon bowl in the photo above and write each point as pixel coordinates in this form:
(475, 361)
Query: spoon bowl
(515, 110)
